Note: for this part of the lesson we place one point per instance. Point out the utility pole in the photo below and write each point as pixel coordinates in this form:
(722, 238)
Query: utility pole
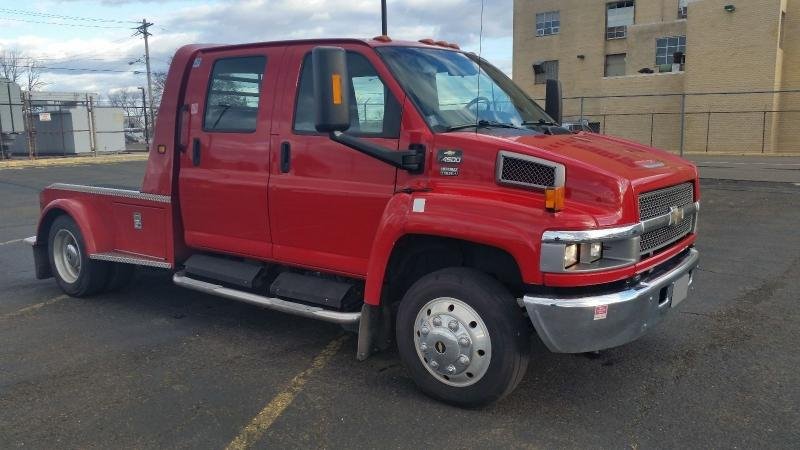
(142, 29)
(144, 114)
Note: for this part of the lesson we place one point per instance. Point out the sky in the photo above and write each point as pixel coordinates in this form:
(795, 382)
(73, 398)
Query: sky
(98, 35)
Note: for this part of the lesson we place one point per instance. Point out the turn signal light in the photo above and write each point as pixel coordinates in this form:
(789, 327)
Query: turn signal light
(554, 198)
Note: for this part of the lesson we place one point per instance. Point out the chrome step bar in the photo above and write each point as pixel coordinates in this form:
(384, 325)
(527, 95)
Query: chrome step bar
(312, 312)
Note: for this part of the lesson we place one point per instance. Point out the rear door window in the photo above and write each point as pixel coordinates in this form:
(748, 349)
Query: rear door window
(234, 91)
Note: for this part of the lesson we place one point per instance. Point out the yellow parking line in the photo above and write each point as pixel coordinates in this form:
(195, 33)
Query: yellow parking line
(32, 308)
(267, 416)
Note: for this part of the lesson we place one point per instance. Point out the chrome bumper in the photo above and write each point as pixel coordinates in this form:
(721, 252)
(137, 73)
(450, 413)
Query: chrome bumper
(590, 323)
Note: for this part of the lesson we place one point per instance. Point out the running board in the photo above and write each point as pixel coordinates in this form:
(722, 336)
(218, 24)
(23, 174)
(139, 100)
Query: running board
(312, 312)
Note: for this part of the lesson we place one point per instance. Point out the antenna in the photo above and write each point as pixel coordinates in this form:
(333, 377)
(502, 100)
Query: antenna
(384, 30)
(480, 50)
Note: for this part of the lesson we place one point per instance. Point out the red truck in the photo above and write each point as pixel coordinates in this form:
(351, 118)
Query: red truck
(406, 190)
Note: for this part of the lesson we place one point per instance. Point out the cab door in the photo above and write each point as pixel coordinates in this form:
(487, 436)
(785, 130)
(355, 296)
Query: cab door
(327, 200)
(224, 171)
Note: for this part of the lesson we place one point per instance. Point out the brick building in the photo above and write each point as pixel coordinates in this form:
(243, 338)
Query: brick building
(633, 61)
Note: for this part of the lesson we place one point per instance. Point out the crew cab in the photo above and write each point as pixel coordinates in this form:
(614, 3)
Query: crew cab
(408, 191)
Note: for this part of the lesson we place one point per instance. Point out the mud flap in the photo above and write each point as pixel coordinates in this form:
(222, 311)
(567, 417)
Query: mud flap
(374, 330)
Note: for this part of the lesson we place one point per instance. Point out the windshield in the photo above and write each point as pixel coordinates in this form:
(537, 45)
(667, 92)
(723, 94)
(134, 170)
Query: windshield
(453, 92)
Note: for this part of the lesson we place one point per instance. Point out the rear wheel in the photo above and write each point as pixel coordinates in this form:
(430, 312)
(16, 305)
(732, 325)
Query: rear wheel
(75, 273)
(462, 337)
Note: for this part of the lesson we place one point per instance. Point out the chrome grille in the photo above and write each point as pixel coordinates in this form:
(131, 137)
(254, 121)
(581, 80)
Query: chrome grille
(523, 170)
(662, 237)
(657, 203)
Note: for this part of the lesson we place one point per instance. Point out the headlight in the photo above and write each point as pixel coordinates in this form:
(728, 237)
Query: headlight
(583, 253)
(591, 252)
(570, 255)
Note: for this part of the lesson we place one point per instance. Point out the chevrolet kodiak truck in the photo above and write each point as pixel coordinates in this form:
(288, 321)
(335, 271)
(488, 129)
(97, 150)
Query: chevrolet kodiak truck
(400, 189)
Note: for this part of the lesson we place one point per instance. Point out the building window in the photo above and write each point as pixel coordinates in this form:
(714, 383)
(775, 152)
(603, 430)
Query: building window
(666, 48)
(615, 65)
(619, 15)
(545, 70)
(548, 23)
(683, 9)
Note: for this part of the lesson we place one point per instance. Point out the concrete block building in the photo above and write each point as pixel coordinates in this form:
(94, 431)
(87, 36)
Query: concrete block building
(639, 63)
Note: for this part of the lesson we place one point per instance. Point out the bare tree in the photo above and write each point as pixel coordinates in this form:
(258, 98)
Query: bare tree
(159, 81)
(12, 64)
(130, 102)
(33, 74)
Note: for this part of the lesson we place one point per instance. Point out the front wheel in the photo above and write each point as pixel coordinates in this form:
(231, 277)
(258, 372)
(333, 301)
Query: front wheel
(462, 337)
(75, 272)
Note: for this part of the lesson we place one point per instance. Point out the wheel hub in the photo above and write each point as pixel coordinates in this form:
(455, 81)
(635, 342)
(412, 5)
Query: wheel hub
(67, 256)
(452, 341)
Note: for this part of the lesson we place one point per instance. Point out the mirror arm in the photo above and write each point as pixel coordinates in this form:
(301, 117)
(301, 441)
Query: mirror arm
(412, 160)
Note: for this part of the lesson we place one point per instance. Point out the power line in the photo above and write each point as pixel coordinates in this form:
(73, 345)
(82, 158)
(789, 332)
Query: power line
(76, 69)
(80, 25)
(60, 16)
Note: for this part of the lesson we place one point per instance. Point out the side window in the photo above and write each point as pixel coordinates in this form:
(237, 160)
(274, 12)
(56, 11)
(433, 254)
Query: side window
(233, 94)
(374, 111)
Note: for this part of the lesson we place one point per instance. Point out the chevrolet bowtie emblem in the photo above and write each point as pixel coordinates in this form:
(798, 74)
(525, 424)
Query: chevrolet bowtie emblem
(675, 215)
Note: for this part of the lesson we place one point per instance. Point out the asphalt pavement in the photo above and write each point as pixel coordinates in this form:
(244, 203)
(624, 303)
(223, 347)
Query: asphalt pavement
(156, 366)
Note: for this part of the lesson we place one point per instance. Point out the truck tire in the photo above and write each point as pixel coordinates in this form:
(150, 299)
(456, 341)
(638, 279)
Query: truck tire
(75, 273)
(462, 336)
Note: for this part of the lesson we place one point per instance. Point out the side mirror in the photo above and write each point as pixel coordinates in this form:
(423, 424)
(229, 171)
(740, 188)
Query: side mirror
(553, 100)
(331, 89)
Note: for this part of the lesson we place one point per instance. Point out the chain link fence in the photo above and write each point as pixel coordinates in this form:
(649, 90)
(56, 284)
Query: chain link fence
(721, 122)
(77, 126)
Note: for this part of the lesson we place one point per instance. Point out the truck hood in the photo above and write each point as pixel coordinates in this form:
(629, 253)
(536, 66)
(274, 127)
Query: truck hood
(645, 168)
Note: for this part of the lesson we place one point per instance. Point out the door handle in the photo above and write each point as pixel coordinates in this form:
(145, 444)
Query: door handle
(196, 152)
(286, 157)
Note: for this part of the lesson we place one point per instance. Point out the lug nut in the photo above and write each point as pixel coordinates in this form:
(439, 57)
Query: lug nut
(434, 364)
(423, 347)
(463, 341)
(437, 322)
(464, 360)
(453, 325)
(451, 369)
(424, 331)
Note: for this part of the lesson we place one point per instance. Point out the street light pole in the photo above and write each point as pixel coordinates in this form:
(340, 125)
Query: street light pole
(384, 25)
(144, 114)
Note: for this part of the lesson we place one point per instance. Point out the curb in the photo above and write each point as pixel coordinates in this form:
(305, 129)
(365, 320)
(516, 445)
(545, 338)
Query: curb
(72, 161)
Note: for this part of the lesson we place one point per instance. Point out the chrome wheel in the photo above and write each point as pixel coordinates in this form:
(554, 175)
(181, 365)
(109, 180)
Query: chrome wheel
(67, 256)
(452, 342)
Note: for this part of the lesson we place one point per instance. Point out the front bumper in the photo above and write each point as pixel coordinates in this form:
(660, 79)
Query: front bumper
(596, 322)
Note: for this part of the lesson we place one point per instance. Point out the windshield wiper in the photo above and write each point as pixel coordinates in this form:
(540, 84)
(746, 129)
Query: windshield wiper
(482, 124)
(222, 112)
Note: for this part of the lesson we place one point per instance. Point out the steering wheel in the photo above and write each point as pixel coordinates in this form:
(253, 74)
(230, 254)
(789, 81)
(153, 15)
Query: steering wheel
(477, 100)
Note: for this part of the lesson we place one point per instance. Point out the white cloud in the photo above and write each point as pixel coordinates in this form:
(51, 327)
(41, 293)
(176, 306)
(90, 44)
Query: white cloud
(240, 21)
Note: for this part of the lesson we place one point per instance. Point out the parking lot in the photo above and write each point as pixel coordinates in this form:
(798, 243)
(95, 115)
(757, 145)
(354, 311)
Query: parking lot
(156, 366)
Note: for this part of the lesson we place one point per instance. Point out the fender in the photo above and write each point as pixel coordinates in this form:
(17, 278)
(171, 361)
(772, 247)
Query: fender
(491, 222)
(88, 219)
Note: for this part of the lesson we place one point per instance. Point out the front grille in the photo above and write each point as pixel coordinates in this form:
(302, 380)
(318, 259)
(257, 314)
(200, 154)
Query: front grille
(662, 237)
(657, 203)
(528, 171)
